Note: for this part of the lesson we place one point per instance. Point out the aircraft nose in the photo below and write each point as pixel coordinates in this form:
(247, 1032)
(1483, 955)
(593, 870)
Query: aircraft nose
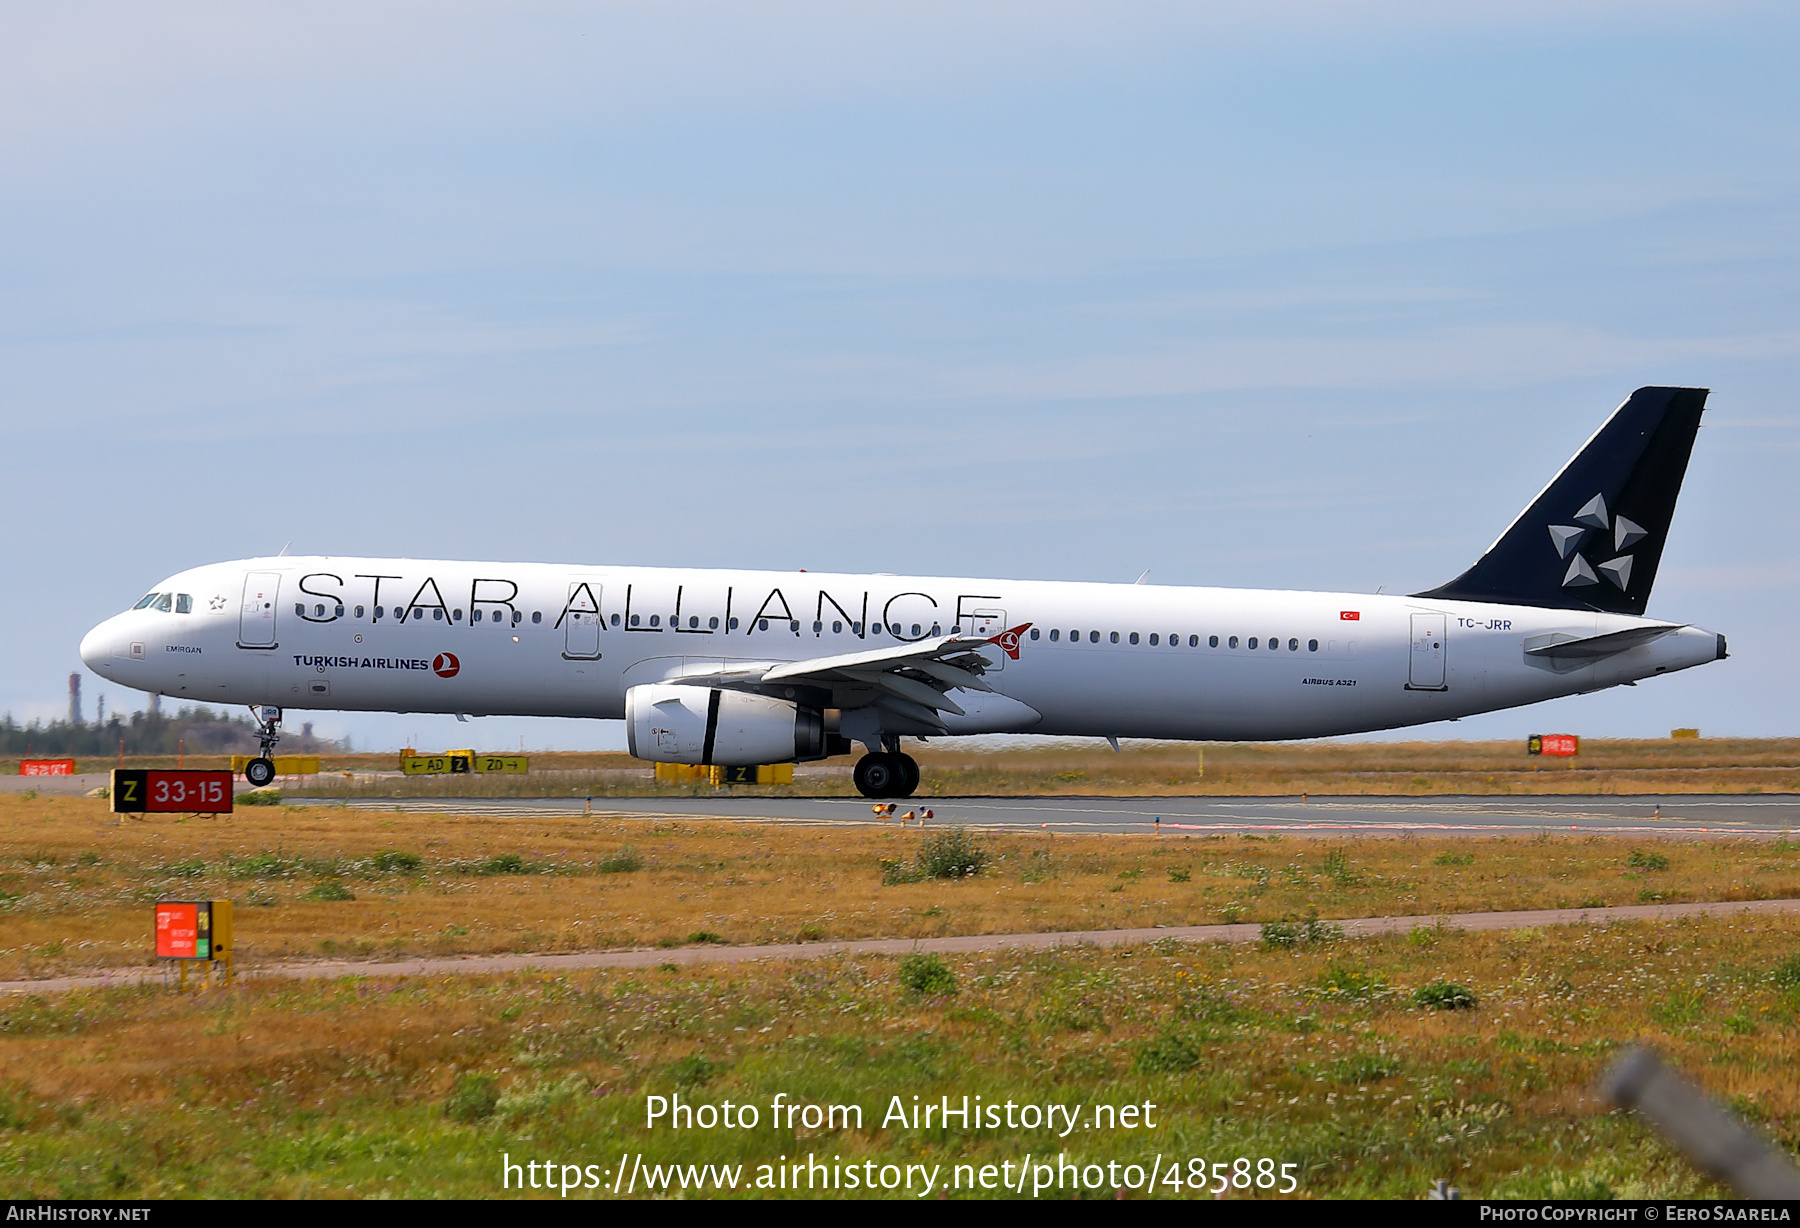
(100, 645)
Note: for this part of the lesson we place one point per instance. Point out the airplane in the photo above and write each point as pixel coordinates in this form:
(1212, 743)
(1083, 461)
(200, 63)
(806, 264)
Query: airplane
(738, 667)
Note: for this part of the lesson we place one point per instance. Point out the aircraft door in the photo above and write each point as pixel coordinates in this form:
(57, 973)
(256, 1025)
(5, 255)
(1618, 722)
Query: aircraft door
(986, 624)
(256, 619)
(1427, 672)
(581, 621)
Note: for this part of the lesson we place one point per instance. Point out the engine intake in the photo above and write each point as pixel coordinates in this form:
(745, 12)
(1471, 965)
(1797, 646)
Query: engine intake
(671, 723)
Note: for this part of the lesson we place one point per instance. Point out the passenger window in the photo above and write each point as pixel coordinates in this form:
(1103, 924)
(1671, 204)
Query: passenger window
(1134, 637)
(1094, 637)
(1034, 632)
(855, 628)
(837, 627)
(340, 612)
(1115, 637)
(712, 623)
(298, 609)
(916, 631)
(694, 622)
(419, 615)
(1293, 645)
(1252, 643)
(794, 626)
(1153, 639)
(818, 627)
(537, 616)
(1055, 635)
(145, 601)
(1312, 645)
(734, 625)
(635, 619)
(762, 624)
(1274, 643)
(318, 611)
(437, 615)
(359, 611)
(937, 628)
(184, 603)
(656, 620)
(1232, 642)
(455, 616)
(615, 620)
(1212, 641)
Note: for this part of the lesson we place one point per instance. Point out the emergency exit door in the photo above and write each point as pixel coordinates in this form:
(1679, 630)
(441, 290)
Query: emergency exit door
(256, 619)
(581, 621)
(1427, 672)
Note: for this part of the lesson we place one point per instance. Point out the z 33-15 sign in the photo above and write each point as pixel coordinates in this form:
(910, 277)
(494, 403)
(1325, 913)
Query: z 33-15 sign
(170, 791)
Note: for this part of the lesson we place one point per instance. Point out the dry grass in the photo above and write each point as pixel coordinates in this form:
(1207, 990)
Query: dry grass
(951, 769)
(1315, 1056)
(76, 885)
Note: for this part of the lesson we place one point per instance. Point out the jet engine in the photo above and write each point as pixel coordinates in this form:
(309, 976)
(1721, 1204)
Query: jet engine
(672, 723)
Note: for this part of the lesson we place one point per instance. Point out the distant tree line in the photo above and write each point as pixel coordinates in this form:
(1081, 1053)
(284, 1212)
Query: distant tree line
(200, 731)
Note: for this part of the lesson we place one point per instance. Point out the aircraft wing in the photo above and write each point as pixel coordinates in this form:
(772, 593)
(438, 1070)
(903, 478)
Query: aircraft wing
(909, 680)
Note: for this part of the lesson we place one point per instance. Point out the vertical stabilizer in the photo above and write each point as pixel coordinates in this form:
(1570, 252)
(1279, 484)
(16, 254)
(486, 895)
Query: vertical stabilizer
(1592, 540)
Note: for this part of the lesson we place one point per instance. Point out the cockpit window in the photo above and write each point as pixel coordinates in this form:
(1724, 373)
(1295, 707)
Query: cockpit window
(163, 602)
(184, 603)
(148, 598)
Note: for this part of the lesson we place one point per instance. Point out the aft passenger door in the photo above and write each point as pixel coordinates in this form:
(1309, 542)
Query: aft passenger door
(1427, 670)
(256, 619)
(581, 621)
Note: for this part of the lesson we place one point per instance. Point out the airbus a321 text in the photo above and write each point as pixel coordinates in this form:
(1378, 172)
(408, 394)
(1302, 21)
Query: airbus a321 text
(755, 667)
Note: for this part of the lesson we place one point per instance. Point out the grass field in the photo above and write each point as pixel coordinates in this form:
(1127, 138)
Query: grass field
(1338, 1056)
(76, 885)
(1660, 766)
(1320, 1055)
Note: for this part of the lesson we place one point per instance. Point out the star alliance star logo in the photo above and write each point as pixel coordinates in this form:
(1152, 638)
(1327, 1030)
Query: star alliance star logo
(1592, 519)
(217, 603)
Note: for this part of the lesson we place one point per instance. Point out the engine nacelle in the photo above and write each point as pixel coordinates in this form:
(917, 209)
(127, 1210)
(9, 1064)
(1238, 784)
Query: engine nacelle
(672, 723)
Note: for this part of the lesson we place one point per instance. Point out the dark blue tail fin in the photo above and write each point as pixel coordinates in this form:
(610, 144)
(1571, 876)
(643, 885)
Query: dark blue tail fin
(1593, 538)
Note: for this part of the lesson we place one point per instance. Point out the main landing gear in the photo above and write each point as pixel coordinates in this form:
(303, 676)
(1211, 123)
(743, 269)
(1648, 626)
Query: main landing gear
(887, 774)
(261, 770)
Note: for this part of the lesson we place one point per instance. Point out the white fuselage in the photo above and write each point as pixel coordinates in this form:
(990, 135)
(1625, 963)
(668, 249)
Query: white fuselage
(532, 639)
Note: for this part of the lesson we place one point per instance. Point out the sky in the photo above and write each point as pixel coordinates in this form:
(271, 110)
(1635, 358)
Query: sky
(1292, 295)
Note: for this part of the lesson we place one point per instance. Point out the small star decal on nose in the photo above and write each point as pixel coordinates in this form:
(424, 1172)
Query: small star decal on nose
(217, 603)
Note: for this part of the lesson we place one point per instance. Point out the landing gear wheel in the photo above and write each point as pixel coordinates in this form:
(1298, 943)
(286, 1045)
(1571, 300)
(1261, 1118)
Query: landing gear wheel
(909, 776)
(259, 771)
(878, 775)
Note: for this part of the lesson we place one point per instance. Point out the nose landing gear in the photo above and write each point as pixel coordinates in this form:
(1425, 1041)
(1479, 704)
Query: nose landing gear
(261, 770)
(887, 774)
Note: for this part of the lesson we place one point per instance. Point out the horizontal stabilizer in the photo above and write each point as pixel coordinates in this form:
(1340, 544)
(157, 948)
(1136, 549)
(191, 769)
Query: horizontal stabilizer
(1593, 647)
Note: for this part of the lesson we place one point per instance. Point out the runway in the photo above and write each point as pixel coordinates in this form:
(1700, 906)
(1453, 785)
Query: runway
(1677, 816)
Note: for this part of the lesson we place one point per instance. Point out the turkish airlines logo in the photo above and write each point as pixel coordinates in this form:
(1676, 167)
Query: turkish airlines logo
(1350, 616)
(1009, 640)
(445, 665)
